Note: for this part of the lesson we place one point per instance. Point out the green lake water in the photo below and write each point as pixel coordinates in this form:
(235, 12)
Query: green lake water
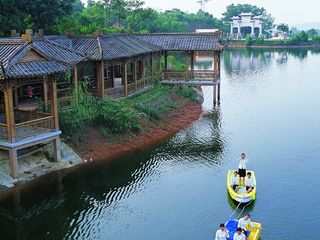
(270, 109)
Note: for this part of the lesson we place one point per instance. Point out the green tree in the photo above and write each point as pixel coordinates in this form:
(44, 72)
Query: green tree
(312, 32)
(282, 27)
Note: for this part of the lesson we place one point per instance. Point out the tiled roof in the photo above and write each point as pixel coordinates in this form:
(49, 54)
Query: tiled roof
(125, 46)
(11, 52)
(58, 52)
(34, 68)
(88, 46)
(185, 41)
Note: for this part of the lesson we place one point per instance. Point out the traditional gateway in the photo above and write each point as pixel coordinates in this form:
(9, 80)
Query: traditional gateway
(33, 83)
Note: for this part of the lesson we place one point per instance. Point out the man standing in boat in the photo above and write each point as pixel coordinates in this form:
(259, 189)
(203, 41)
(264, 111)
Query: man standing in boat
(242, 168)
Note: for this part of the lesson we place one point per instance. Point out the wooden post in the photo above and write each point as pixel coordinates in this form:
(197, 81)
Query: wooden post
(100, 78)
(134, 72)
(13, 163)
(57, 149)
(16, 99)
(45, 91)
(215, 67)
(8, 100)
(187, 65)
(165, 60)
(75, 82)
(218, 92)
(125, 75)
(159, 66)
(54, 101)
(192, 65)
(143, 74)
(214, 95)
(151, 67)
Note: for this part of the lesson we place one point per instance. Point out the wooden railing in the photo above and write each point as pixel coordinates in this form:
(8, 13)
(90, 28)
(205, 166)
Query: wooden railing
(148, 80)
(29, 124)
(174, 75)
(115, 92)
(203, 74)
(140, 84)
(197, 74)
(131, 88)
(34, 127)
(3, 131)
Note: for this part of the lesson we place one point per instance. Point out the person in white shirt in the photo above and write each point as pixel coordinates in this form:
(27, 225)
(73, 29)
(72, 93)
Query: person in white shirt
(242, 167)
(244, 222)
(234, 180)
(239, 235)
(222, 233)
(249, 183)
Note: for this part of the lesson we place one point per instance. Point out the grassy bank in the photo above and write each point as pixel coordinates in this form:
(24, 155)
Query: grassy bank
(114, 117)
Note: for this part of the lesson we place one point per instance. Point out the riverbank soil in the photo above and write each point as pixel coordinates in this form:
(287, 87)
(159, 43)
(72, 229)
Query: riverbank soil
(96, 147)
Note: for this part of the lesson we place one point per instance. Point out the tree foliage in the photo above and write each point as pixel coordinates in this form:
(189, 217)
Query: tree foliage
(282, 27)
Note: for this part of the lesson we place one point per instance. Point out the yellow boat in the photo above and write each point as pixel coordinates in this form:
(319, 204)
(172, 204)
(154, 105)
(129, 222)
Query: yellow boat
(254, 233)
(241, 195)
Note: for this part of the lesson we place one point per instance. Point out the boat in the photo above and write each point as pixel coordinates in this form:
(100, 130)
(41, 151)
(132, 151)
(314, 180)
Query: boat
(253, 233)
(241, 195)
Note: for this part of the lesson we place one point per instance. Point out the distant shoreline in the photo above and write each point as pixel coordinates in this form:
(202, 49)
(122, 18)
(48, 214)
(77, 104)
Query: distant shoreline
(240, 45)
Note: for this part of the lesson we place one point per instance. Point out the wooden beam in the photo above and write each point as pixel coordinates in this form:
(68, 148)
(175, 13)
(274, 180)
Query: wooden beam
(8, 101)
(54, 101)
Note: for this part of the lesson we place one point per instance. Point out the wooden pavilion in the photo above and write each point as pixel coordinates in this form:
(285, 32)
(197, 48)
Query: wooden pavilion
(191, 45)
(28, 94)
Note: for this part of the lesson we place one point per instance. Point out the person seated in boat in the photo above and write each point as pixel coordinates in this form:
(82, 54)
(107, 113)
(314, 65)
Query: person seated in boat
(222, 233)
(244, 222)
(249, 183)
(242, 168)
(234, 180)
(239, 235)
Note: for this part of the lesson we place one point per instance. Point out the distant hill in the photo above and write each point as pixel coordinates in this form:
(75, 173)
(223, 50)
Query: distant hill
(307, 26)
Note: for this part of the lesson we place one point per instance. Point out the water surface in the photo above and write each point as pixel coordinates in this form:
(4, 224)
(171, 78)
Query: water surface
(270, 109)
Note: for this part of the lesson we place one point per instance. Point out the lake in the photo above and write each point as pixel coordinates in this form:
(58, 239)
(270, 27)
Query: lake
(270, 109)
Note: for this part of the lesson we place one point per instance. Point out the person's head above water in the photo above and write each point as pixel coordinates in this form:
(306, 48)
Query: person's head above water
(222, 226)
(243, 155)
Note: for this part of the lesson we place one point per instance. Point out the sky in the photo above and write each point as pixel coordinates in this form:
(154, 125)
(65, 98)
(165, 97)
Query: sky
(292, 12)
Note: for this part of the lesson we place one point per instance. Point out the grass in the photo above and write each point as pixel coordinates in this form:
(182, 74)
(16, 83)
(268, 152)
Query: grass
(120, 116)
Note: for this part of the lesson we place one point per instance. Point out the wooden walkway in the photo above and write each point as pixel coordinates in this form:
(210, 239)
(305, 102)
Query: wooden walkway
(192, 82)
